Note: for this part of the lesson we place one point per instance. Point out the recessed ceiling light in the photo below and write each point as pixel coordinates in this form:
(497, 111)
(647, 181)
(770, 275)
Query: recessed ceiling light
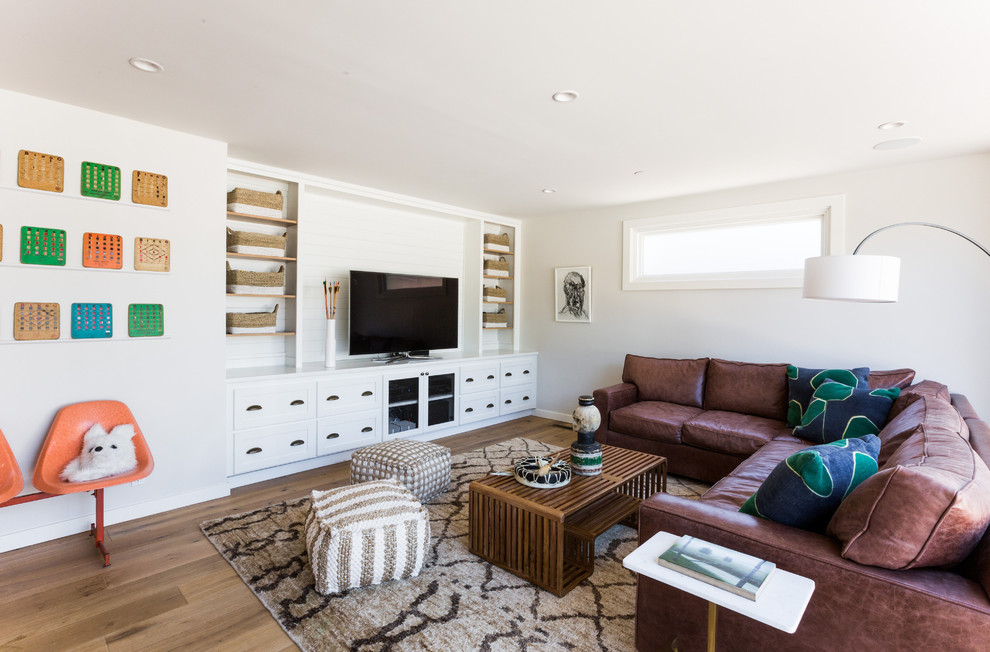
(565, 96)
(549, 191)
(892, 125)
(898, 143)
(638, 172)
(145, 65)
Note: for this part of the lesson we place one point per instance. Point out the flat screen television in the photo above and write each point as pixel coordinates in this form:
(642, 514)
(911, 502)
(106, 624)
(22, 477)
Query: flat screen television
(401, 313)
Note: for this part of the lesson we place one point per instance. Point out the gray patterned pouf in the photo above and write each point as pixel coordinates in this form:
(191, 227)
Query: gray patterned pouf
(365, 534)
(424, 468)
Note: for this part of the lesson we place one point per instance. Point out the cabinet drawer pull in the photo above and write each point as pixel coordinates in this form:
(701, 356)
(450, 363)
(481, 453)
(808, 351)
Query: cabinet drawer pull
(298, 401)
(253, 408)
(469, 410)
(469, 380)
(298, 442)
(508, 373)
(367, 429)
(333, 397)
(525, 398)
(490, 405)
(491, 376)
(508, 401)
(333, 435)
(367, 393)
(525, 372)
(253, 451)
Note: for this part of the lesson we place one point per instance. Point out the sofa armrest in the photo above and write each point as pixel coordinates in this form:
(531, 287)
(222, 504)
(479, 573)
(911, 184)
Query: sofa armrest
(954, 610)
(611, 398)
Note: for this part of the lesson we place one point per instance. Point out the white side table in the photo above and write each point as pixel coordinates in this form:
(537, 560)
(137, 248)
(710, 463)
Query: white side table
(781, 604)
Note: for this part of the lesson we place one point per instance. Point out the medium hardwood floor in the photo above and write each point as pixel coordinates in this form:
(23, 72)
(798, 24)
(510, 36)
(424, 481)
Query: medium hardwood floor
(167, 587)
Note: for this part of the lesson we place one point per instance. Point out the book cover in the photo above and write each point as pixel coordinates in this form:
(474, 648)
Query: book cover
(727, 569)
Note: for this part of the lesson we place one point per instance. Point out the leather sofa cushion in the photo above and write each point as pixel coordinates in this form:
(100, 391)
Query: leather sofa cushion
(664, 379)
(891, 378)
(653, 420)
(734, 489)
(731, 432)
(928, 506)
(926, 409)
(747, 388)
(911, 394)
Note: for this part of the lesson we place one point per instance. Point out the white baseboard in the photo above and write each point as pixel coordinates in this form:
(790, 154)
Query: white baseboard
(556, 416)
(79, 524)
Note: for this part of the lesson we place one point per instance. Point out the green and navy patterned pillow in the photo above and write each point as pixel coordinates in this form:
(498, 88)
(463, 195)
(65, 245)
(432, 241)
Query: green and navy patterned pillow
(802, 383)
(805, 489)
(839, 411)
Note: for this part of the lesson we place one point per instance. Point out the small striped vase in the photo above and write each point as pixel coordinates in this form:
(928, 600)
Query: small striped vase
(586, 453)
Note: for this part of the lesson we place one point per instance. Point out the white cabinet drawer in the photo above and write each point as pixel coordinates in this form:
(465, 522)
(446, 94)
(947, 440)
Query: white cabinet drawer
(348, 395)
(515, 399)
(264, 447)
(271, 404)
(343, 433)
(479, 406)
(518, 372)
(478, 378)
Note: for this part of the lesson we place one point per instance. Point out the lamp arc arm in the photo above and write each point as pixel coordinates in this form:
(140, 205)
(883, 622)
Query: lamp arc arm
(932, 225)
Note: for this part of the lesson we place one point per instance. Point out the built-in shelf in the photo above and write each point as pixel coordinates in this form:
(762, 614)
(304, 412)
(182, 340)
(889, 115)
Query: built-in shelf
(244, 217)
(500, 278)
(498, 253)
(231, 254)
(498, 303)
(261, 334)
(497, 328)
(267, 296)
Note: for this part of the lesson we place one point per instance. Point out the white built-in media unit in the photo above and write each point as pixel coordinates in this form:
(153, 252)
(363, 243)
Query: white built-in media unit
(286, 411)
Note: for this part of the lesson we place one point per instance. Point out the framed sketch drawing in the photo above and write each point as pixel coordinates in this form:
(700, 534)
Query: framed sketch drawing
(572, 294)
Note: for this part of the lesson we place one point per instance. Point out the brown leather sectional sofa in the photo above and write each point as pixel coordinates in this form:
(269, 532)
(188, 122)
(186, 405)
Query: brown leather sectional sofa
(905, 562)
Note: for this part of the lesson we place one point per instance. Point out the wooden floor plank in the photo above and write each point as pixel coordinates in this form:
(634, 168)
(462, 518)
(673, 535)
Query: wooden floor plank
(167, 587)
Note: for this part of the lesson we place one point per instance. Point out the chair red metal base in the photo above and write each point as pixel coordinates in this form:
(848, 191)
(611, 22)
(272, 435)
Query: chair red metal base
(95, 529)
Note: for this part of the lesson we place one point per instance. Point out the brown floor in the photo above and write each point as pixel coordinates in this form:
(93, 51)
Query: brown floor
(167, 587)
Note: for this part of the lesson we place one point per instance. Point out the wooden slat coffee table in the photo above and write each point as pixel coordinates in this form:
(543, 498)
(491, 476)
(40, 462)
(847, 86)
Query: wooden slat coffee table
(547, 536)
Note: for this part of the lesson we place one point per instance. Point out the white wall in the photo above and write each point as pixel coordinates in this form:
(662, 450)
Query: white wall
(937, 328)
(174, 385)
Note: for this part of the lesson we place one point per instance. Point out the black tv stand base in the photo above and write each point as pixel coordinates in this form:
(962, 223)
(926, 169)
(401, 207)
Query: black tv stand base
(393, 358)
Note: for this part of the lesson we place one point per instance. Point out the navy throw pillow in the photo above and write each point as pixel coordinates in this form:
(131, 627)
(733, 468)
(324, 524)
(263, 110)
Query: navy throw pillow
(839, 411)
(804, 490)
(802, 383)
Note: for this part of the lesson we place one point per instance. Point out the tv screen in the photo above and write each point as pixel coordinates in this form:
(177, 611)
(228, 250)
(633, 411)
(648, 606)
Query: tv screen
(398, 313)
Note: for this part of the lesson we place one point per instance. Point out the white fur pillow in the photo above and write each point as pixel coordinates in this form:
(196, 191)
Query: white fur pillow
(103, 454)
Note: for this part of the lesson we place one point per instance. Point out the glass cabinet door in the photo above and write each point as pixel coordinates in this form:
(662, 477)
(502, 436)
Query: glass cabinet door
(440, 398)
(403, 404)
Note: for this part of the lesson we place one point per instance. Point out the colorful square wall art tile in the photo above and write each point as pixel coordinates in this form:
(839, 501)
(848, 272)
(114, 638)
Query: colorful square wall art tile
(152, 254)
(92, 320)
(36, 321)
(40, 246)
(40, 171)
(103, 251)
(149, 188)
(145, 320)
(100, 181)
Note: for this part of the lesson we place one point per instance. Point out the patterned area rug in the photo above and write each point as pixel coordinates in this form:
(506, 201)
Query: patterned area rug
(458, 602)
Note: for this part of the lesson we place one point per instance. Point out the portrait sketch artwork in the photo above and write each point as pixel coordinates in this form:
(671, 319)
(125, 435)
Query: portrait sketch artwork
(572, 294)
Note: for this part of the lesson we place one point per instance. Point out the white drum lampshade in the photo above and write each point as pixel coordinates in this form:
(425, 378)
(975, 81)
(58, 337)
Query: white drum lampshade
(872, 279)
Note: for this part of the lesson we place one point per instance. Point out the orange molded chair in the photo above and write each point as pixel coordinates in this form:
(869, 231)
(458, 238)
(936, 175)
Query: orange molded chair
(11, 480)
(64, 443)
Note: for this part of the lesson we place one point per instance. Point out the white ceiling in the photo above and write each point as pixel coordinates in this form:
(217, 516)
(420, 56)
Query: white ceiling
(449, 100)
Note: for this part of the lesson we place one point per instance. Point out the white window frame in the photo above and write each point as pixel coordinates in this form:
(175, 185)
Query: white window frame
(830, 209)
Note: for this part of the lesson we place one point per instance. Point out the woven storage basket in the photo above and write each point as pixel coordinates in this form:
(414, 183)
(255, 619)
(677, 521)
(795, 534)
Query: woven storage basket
(245, 282)
(498, 267)
(252, 322)
(249, 242)
(255, 202)
(499, 241)
(499, 317)
(495, 294)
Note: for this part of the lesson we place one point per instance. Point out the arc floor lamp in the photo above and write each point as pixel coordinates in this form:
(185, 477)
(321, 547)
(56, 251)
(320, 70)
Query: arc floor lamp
(863, 278)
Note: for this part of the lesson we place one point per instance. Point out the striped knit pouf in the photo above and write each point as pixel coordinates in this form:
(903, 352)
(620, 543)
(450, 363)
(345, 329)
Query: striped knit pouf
(424, 468)
(365, 534)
